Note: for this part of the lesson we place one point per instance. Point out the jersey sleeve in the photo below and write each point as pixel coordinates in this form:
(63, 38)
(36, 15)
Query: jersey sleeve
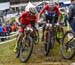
(57, 9)
(24, 14)
(22, 17)
(43, 9)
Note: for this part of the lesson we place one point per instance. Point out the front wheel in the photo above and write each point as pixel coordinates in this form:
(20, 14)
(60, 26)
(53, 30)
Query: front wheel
(46, 47)
(18, 43)
(68, 45)
(26, 49)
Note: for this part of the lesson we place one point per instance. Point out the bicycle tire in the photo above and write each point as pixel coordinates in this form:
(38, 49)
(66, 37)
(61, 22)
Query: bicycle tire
(52, 40)
(46, 48)
(36, 38)
(18, 47)
(61, 46)
(24, 60)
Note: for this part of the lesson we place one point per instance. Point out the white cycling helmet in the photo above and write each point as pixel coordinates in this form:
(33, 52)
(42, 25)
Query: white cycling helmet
(51, 2)
(32, 10)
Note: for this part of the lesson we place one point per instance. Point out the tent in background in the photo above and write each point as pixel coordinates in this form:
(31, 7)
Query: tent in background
(4, 5)
(28, 6)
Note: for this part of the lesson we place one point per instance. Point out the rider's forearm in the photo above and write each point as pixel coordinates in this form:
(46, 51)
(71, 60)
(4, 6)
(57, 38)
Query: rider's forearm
(39, 16)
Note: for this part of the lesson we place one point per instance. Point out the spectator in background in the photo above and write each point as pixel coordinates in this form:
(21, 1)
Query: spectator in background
(65, 17)
(8, 28)
(4, 31)
(13, 27)
(4, 28)
(72, 15)
(1, 29)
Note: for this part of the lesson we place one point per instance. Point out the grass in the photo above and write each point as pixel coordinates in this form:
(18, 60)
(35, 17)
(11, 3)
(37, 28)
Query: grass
(8, 57)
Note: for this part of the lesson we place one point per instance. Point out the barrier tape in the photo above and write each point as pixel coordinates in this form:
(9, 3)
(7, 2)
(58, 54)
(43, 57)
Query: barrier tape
(7, 41)
(13, 33)
(8, 36)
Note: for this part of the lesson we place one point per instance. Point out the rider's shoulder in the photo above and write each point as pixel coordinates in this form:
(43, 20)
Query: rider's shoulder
(26, 12)
(46, 5)
(56, 6)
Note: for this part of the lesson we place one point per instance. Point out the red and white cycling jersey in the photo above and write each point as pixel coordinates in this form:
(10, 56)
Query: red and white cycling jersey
(52, 9)
(26, 18)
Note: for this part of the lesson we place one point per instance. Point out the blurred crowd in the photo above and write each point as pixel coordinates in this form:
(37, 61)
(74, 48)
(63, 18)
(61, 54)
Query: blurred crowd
(6, 29)
(8, 22)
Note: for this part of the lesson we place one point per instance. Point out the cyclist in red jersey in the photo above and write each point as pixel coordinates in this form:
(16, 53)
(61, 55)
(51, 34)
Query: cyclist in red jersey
(49, 10)
(25, 19)
(28, 17)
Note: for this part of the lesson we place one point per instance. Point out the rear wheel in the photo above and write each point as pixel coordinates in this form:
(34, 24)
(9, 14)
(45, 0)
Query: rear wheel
(36, 37)
(26, 49)
(68, 45)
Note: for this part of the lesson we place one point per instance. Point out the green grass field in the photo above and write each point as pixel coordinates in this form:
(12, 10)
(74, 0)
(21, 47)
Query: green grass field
(8, 57)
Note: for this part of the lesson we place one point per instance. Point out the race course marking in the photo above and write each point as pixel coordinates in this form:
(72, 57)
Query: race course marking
(7, 41)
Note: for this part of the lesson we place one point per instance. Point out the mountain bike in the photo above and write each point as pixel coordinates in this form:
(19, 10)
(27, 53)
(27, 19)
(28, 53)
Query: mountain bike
(50, 35)
(52, 32)
(25, 45)
(68, 45)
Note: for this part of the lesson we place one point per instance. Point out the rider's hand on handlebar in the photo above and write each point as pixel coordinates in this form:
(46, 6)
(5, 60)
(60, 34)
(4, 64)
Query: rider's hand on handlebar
(57, 23)
(40, 20)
